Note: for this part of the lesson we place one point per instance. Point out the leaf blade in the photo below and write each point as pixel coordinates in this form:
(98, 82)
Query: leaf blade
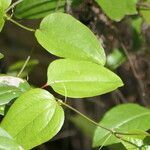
(79, 79)
(58, 35)
(122, 118)
(36, 116)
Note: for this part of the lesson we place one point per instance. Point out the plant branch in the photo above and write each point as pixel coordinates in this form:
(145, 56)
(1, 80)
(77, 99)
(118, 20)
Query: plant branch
(20, 25)
(24, 65)
(116, 134)
(13, 5)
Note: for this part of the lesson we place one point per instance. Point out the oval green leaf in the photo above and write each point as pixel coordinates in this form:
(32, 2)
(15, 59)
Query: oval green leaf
(11, 87)
(34, 9)
(122, 118)
(34, 118)
(78, 79)
(116, 10)
(64, 36)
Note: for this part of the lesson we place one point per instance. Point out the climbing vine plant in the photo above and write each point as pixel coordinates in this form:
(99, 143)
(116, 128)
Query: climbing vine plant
(36, 115)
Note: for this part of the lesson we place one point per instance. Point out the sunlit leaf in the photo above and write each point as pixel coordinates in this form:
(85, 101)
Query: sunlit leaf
(116, 10)
(34, 118)
(11, 87)
(3, 6)
(122, 118)
(79, 79)
(64, 36)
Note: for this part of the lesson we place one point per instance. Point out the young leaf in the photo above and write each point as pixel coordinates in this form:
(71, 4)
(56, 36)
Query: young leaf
(78, 79)
(11, 87)
(34, 118)
(64, 36)
(34, 9)
(122, 118)
(1, 55)
(4, 4)
(116, 10)
(6, 141)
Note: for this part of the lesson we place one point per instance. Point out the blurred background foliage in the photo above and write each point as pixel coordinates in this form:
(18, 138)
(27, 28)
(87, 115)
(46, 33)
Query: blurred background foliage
(126, 43)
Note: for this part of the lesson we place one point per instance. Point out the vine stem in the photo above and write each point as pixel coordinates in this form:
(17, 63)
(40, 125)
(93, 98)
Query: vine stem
(24, 65)
(18, 24)
(116, 134)
(13, 5)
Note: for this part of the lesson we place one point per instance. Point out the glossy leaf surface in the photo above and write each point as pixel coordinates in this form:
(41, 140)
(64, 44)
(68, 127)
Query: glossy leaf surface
(79, 79)
(11, 87)
(116, 10)
(34, 9)
(123, 118)
(64, 36)
(34, 118)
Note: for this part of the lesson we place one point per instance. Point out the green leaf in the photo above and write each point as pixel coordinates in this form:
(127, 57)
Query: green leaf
(115, 59)
(137, 140)
(64, 36)
(11, 87)
(78, 79)
(6, 141)
(122, 118)
(116, 10)
(34, 118)
(4, 4)
(34, 9)
(1, 55)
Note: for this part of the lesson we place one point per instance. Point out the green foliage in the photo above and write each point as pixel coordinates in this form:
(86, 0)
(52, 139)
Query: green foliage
(74, 40)
(145, 12)
(34, 9)
(4, 4)
(6, 141)
(137, 139)
(79, 79)
(14, 69)
(115, 59)
(123, 118)
(116, 10)
(11, 87)
(1, 55)
(36, 116)
(2, 109)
